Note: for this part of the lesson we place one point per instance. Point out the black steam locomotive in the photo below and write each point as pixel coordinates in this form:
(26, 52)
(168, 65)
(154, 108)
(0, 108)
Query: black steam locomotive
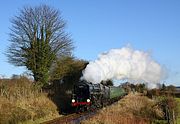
(87, 95)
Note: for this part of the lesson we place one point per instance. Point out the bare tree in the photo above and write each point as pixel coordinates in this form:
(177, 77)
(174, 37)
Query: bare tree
(37, 38)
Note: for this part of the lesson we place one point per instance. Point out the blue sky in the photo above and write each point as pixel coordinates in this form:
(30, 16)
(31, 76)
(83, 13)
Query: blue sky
(100, 25)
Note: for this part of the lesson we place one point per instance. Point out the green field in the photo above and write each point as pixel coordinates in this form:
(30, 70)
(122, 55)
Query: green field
(178, 120)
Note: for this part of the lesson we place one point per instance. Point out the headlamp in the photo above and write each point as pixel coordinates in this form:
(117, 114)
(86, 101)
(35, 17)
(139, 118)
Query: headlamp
(88, 100)
(73, 100)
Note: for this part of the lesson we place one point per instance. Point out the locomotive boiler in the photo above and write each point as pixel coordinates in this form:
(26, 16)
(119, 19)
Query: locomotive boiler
(90, 96)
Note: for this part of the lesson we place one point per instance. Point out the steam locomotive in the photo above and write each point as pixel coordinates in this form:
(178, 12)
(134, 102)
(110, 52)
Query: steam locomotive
(89, 96)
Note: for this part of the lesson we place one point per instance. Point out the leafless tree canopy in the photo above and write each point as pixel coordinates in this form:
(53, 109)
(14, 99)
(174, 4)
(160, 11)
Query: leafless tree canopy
(38, 36)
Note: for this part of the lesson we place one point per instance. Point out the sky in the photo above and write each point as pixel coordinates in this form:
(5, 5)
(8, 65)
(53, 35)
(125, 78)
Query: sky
(97, 26)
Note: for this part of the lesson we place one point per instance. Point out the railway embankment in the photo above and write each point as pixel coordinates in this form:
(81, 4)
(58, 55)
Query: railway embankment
(132, 109)
(23, 102)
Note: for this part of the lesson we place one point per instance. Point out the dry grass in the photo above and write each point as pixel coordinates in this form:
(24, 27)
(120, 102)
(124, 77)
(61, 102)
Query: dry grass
(178, 118)
(20, 101)
(132, 109)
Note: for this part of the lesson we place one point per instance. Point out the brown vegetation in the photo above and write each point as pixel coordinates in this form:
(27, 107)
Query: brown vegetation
(133, 109)
(21, 100)
(178, 108)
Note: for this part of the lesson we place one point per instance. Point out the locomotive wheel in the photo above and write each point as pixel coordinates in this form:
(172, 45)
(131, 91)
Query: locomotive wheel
(97, 102)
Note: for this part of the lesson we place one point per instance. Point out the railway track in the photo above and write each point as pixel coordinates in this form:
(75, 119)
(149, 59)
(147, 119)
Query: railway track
(71, 118)
(75, 118)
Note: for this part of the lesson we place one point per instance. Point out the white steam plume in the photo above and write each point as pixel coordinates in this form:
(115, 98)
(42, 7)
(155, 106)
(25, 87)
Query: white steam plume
(124, 63)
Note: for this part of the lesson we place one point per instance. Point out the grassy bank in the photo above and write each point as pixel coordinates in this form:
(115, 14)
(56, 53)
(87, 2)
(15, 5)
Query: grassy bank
(21, 101)
(132, 109)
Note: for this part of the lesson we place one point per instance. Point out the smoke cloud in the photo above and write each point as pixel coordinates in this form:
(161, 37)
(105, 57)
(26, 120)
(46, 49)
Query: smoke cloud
(124, 64)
